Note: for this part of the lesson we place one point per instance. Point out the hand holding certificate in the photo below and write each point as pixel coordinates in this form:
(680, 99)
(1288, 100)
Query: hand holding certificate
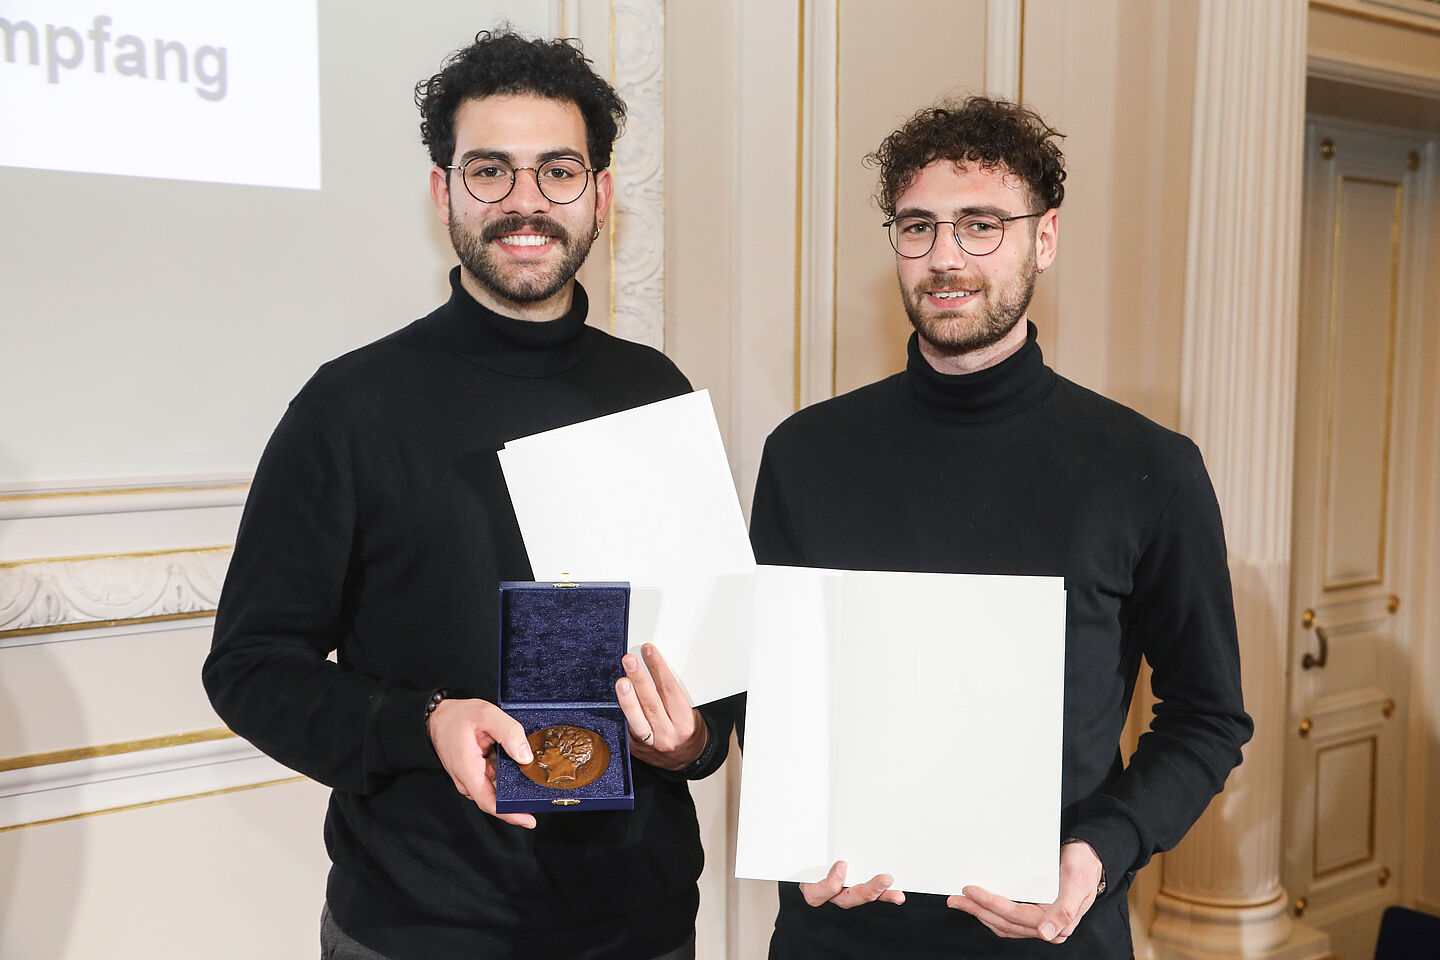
(872, 692)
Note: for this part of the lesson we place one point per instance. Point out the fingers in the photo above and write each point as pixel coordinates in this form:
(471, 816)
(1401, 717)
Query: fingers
(656, 717)
(876, 888)
(665, 731)
(484, 797)
(672, 693)
(465, 734)
(1005, 918)
(833, 890)
(893, 895)
(1061, 918)
(508, 732)
(824, 891)
(642, 728)
(1080, 873)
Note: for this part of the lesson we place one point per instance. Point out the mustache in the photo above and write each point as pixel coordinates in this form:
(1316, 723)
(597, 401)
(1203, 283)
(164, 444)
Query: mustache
(949, 285)
(513, 222)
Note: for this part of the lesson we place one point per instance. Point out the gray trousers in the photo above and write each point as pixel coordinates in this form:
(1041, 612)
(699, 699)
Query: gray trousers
(335, 944)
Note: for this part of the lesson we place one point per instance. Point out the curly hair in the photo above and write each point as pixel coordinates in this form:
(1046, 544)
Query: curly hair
(504, 62)
(995, 134)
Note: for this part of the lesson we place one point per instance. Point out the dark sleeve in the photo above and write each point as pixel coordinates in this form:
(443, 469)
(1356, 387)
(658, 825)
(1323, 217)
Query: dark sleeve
(287, 597)
(772, 534)
(1183, 614)
(772, 537)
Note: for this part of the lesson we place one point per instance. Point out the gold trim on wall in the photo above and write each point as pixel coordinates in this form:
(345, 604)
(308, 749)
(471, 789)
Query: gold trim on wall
(835, 218)
(104, 624)
(1374, 17)
(151, 803)
(1315, 872)
(799, 191)
(114, 491)
(1020, 71)
(80, 558)
(614, 208)
(114, 749)
(1326, 584)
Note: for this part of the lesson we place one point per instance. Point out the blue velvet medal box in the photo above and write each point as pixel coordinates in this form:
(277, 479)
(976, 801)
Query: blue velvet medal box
(560, 650)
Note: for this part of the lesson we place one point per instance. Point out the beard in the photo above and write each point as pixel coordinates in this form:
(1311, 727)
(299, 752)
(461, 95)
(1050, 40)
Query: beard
(519, 282)
(995, 309)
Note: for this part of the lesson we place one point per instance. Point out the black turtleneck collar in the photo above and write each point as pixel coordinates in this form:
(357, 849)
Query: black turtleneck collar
(994, 393)
(521, 348)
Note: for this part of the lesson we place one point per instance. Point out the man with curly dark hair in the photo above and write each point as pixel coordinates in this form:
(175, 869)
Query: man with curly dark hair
(978, 458)
(379, 525)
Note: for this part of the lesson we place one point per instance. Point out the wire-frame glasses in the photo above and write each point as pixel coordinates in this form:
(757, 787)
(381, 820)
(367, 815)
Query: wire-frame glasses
(562, 180)
(977, 234)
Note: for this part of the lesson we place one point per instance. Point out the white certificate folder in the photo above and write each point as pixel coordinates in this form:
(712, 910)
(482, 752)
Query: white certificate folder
(906, 723)
(645, 496)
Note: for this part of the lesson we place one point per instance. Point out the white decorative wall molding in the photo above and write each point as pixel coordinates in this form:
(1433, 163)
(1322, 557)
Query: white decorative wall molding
(1004, 30)
(1373, 75)
(47, 596)
(1221, 893)
(44, 789)
(25, 501)
(816, 213)
(638, 216)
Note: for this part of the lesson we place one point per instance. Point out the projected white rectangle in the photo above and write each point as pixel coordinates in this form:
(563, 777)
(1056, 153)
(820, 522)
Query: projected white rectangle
(226, 91)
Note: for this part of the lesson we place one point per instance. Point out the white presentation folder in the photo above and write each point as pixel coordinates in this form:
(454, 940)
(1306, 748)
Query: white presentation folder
(646, 496)
(906, 723)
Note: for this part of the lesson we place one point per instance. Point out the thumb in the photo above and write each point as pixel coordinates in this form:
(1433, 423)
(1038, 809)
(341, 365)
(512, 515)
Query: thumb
(1060, 917)
(510, 734)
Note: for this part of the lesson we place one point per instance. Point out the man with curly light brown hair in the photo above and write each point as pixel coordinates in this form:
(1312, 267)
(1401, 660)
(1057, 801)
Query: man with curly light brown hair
(978, 458)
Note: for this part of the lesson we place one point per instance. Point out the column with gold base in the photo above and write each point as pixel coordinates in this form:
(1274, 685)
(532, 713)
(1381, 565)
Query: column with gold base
(1221, 895)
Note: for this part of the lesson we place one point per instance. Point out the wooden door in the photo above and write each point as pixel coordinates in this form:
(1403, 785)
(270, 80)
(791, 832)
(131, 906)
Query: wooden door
(1352, 529)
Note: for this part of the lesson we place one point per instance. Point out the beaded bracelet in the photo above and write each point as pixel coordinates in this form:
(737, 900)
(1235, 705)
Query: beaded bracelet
(434, 702)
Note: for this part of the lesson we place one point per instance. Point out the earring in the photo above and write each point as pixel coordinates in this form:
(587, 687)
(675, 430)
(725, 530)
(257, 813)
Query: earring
(598, 225)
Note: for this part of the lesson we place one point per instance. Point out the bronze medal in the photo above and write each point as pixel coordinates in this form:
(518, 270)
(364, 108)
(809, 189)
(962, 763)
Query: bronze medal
(566, 757)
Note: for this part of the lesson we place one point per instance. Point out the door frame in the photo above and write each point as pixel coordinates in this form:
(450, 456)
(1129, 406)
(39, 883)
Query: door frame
(1418, 347)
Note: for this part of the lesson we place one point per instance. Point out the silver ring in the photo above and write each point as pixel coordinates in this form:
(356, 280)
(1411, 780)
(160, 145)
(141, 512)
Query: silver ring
(646, 738)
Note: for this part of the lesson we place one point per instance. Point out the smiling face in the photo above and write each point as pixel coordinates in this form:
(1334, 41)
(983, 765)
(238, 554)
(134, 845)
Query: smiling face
(519, 256)
(958, 303)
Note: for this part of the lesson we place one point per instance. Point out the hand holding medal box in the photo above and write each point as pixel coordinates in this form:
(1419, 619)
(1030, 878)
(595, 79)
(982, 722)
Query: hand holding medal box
(560, 649)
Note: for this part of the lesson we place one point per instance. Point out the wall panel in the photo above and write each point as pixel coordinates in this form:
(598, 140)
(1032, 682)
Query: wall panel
(888, 70)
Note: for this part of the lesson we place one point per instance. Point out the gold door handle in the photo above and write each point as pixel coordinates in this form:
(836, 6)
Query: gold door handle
(1310, 660)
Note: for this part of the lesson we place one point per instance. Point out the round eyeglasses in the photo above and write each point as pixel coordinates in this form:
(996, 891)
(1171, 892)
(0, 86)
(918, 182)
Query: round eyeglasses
(489, 180)
(978, 234)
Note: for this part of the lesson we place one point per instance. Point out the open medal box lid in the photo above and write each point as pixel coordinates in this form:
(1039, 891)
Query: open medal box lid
(560, 650)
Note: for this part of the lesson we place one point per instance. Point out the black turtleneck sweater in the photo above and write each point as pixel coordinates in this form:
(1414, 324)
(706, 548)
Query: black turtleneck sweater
(1015, 470)
(378, 526)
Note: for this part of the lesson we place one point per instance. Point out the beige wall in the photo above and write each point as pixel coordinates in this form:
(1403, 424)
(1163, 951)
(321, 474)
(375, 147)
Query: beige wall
(887, 70)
